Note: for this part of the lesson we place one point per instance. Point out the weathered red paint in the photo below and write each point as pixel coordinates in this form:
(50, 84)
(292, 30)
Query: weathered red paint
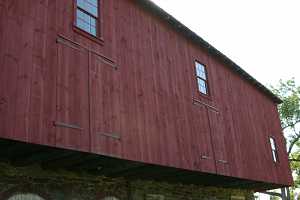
(147, 109)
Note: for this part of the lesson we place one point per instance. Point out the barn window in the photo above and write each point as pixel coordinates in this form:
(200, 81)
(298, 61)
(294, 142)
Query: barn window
(274, 149)
(201, 75)
(86, 16)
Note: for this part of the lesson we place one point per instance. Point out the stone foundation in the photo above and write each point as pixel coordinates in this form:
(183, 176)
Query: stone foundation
(34, 183)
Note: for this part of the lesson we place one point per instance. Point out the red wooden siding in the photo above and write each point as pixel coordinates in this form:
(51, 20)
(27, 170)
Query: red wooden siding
(134, 95)
(72, 98)
(104, 107)
(201, 140)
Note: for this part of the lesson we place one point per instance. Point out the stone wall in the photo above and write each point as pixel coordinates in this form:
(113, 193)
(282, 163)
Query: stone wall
(34, 183)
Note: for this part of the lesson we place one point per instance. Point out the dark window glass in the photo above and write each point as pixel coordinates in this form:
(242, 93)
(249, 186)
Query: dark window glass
(87, 15)
(201, 75)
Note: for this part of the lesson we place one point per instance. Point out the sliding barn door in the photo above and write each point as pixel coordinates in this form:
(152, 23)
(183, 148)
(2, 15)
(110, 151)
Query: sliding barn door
(72, 110)
(105, 106)
(202, 141)
(218, 139)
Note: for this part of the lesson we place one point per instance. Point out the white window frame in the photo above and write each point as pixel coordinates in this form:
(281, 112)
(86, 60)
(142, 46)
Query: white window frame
(274, 149)
(202, 78)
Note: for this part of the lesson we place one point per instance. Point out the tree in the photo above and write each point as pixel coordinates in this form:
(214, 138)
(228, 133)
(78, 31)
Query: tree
(289, 112)
(295, 166)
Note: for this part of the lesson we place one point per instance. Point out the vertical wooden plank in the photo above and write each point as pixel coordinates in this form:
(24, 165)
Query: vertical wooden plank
(10, 57)
(237, 118)
(105, 108)
(151, 108)
(142, 89)
(222, 90)
(72, 120)
(256, 122)
(131, 139)
(64, 18)
(2, 98)
(202, 142)
(177, 73)
(166, 113)
(218, 139)
(134, 81)
(43, 85)
(24, 79)
(37, 12)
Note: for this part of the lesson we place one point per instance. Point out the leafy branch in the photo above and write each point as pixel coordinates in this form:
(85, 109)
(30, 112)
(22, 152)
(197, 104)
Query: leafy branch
(289, 112)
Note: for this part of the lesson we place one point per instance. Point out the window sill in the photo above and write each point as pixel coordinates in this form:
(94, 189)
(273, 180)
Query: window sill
(204, 96)
(98, 40)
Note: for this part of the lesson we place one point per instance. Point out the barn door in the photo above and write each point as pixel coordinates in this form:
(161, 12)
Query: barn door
(105, 106)
(218, 140)
(72, 110)
(202, 141)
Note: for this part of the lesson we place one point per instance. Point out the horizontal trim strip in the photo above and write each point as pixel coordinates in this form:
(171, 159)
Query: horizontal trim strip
(73, 46)
(222, 161)
(195, 101)
(111, 135)
(64, 40)
(65, 125)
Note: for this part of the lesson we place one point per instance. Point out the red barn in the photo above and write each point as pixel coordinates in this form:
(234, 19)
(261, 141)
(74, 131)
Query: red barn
(122, 89)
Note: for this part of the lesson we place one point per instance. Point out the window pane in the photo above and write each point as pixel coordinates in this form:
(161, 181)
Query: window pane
(93, 2)
(90, 6)
(274, 156)
(93, 31)
(200, 70)
(202, 86)
(86, 22)
(273, 146)
(81, 15)
(83, 25)
(93, 21)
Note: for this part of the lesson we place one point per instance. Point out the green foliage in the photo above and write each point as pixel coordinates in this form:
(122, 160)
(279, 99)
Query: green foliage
(295, 165)
(289, 110)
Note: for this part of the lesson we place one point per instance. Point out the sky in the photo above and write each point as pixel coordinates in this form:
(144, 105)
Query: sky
(261, 36)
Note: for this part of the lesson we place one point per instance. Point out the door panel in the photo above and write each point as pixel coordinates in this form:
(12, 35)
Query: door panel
(218, 139)
(105, 107)
(202, 143)
(72, 120)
